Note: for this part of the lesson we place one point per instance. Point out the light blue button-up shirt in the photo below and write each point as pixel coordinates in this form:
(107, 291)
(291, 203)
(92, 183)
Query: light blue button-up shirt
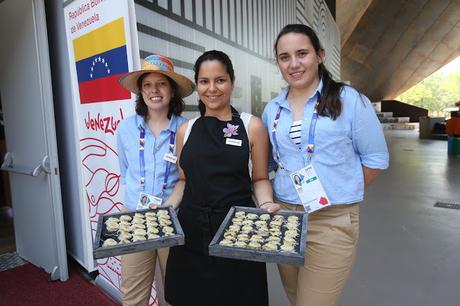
(155, 148)
(342, 146)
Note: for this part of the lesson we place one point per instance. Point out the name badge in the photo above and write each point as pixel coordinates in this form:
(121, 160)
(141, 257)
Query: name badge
(146, 199)
(157, 201)
(170, 158)
(309, 188)
(234, 142)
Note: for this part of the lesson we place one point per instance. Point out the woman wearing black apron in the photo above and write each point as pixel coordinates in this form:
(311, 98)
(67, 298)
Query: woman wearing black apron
(215, 150)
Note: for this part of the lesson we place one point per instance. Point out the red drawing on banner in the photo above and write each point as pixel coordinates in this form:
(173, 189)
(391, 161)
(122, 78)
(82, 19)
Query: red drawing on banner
(102, 187)
(106, 124)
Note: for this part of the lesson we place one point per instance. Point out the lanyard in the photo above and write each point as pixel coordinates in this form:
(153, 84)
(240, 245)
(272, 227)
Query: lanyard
(172, 139)
(311, 136)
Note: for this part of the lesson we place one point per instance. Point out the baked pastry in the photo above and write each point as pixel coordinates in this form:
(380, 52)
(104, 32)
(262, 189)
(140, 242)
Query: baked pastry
(150, 214)
(264, 217)
(111, 220)
(240, 214)
(254, 245)
(137, 220)
(226, 242)
(112, 227)
(152, 230)
(240, 244)
(125, 236)
(125, 228)
(139, 231)
(125, 218)
(270, 246)
(287, 248)
(168, 229)
(164, 222)
(109, 242)
(138, 225)
(138, 238)
(153, 236)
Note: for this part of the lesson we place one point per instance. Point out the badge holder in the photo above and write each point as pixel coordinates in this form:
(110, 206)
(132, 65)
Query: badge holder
(146, 199)
(309, 188)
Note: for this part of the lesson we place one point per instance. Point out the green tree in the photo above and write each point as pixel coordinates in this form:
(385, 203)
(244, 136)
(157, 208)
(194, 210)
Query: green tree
(437, 92)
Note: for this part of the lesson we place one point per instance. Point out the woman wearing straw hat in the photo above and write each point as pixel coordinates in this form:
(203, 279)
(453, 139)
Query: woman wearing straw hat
(146, 150)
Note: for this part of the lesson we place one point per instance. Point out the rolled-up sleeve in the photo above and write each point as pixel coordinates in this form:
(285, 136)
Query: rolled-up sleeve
(367, 135)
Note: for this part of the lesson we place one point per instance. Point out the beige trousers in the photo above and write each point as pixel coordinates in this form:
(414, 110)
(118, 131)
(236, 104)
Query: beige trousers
(137, 274)
(332, 239)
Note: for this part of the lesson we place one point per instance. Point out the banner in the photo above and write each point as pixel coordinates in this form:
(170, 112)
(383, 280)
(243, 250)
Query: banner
(102, 42)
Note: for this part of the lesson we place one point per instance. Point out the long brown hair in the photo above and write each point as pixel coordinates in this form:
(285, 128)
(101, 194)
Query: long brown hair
(330, 104)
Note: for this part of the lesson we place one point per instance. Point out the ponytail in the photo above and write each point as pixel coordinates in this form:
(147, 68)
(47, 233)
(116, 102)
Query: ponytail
(201, 107)
(330, 104)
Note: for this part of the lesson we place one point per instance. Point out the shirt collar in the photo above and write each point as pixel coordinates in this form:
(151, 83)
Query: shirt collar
(172, 126)
(283, 102)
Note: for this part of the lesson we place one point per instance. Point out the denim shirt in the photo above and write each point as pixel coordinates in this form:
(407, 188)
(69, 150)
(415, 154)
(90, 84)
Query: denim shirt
(155, 166)
(342, 146)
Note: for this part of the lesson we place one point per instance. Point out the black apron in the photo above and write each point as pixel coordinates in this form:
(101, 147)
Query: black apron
(217, 177)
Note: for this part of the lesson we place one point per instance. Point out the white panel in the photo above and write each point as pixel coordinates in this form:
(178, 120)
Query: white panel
(244, 24)
(250, 27)
(188, 10)
(163, 3)
(217, 27)
(209, 14)
(176, 7)
(260, 31)
(199, 12)
(233, 28)
(224, 17)
(239, 23)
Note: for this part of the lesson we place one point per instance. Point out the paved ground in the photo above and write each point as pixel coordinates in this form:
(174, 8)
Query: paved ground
(409, 251)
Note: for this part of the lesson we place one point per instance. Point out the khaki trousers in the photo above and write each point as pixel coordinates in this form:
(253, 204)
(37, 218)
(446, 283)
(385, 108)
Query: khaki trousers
(138, 273)
(332, 239)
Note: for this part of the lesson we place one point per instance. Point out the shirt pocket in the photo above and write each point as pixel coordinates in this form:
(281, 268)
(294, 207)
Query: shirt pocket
(332, 147)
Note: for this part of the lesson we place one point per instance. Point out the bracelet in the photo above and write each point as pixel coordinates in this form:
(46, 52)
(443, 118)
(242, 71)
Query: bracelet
(266, 202)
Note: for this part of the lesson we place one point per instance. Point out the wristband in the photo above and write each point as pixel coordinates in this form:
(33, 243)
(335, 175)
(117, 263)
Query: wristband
(266, 202)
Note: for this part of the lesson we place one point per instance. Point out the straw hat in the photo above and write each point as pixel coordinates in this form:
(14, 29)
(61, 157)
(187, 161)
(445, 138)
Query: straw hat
(160, 64)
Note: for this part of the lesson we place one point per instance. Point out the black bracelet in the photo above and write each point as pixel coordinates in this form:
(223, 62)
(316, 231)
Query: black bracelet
(266, 202)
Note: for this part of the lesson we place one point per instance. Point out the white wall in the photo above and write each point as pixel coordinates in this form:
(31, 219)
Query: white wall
(244, 29)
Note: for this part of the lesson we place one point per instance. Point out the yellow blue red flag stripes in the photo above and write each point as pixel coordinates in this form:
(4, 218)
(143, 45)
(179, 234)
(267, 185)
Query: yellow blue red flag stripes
(101, 58)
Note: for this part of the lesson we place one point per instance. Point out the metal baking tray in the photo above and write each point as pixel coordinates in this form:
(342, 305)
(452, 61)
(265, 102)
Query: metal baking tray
(162, 242)
(295, 258)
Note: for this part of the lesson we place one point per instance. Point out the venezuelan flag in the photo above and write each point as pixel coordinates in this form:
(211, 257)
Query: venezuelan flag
(101, 57)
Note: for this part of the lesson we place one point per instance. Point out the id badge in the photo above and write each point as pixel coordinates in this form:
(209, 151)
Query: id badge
(309, 188)
(146, 199)
(170, 158)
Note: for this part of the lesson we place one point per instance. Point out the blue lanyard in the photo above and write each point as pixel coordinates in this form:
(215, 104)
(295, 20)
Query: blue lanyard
(311, 136)
(172, 139)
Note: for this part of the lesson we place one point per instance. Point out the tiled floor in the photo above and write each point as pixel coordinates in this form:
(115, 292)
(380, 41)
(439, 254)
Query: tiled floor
(10, 261)
(8, 257)
(409, 250)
